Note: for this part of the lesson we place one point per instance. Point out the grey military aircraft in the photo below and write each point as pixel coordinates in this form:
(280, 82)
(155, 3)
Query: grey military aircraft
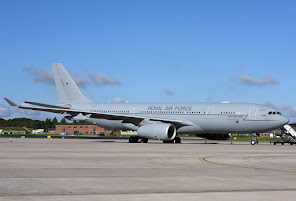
(162, 121)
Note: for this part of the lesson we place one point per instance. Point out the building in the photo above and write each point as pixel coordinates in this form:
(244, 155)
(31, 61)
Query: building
(270, 135)
(13, 132)
(78, 129)
(38, 131)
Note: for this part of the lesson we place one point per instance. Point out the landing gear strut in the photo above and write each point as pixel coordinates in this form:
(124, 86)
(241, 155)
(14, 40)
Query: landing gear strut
(136, 139)
(254, 141)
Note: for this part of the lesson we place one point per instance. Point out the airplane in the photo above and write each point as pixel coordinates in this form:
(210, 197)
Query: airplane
(160, 121)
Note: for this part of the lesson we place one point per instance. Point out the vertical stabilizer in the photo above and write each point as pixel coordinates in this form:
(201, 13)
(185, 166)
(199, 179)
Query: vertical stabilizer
(68, 91)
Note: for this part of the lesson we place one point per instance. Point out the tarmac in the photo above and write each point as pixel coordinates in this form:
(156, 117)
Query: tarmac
(99, 169)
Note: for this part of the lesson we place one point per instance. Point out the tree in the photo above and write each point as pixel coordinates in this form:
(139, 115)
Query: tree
(63, 121)
(48, 123)
(37, 124)
(54, 122)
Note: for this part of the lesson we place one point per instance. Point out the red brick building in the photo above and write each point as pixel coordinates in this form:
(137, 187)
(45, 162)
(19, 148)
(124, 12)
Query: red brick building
(88, 129)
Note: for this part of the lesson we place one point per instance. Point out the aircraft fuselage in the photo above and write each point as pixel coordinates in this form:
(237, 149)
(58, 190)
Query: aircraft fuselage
(199, 117)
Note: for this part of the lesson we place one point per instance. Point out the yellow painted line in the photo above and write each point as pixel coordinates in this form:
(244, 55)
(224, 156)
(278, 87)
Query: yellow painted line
(204, 159)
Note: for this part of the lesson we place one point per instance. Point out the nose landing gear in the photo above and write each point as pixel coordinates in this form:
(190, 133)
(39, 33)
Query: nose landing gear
(255, 141)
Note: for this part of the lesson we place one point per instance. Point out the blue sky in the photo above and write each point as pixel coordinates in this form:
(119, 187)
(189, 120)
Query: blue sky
(150, 51)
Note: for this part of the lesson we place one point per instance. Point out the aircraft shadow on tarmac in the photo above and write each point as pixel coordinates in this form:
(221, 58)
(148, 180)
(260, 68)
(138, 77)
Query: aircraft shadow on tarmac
(198, 143)
(105, 141)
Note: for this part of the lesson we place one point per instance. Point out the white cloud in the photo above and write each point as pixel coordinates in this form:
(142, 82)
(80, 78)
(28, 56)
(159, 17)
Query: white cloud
(249, 80)
(169, 92)
(40, 75)
(44, 76)
(9, 112)
(117, 100)
(288, 110)
(5, 111)
(101, 79)
(80, 81)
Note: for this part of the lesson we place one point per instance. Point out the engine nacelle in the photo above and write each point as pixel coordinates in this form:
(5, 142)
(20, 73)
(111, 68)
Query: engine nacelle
(214, 136)
(159, 131)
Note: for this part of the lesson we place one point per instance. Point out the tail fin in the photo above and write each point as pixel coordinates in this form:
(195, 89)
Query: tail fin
(68, 92)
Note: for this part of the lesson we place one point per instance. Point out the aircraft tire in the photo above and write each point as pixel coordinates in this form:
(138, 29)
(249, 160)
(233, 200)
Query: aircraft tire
(139, 139)
(253, 142)
(177, 140)
(131, 139)
(144, 140)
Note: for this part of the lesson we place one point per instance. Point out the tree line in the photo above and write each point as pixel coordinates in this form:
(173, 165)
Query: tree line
(29, 123)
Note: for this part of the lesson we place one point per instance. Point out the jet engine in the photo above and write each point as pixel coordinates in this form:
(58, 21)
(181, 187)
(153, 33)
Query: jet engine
(214, 136)
(161, 131)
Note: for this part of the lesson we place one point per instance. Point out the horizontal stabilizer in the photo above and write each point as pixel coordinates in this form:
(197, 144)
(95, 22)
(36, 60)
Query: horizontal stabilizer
(10, 102)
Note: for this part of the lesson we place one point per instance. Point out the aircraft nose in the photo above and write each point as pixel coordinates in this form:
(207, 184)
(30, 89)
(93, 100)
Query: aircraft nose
(284, 120)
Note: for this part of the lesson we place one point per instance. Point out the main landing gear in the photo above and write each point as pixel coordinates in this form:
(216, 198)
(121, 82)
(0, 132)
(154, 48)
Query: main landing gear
(136, 139)
(176, 140)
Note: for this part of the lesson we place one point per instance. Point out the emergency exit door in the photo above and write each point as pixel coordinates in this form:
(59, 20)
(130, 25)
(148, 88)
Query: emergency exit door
(210, 112)
(253, 113)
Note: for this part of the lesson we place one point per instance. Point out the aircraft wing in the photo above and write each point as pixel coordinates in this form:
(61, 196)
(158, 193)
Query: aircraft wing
(46, 105)
(126, 118)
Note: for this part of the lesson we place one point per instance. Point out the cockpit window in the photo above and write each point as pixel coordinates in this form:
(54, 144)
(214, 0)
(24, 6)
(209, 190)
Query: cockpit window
(273, 112)
(279, 113)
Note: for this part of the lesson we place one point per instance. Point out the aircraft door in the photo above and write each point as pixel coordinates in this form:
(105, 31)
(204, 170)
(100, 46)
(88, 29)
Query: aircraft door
(253, 113)
(210, 112)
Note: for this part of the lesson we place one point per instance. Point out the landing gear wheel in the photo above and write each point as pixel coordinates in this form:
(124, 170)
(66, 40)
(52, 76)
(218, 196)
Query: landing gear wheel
(131, 139)
(253, 142)
(177, 140)
(136, 139)
(144, 140)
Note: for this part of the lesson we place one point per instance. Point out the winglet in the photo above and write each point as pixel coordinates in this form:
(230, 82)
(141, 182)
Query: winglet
(10, 102)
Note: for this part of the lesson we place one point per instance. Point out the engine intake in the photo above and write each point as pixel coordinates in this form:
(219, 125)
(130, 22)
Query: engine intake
(159, 131)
